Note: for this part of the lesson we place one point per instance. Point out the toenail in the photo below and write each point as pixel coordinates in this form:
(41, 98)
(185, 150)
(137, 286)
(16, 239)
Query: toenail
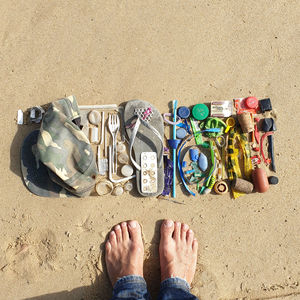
(112, 233)
(169, 223)
(132, 224)
(123, 224)
(177, 224)
(190, 231)
(185, 227)
(117, 227)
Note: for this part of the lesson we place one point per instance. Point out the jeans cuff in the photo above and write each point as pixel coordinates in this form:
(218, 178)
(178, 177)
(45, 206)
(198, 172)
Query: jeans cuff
(123, 282)
(175, 282)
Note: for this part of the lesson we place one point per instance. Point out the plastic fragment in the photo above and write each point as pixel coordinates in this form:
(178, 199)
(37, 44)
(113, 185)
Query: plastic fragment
(202, 162)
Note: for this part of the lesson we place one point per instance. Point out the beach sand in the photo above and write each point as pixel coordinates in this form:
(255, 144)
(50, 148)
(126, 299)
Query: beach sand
(115, 51)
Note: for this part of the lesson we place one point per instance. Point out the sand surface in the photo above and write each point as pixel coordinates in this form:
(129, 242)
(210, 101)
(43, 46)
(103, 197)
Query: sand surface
(114, 51)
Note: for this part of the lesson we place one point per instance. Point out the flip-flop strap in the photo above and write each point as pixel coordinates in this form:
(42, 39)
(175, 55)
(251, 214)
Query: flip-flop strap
(135, 129)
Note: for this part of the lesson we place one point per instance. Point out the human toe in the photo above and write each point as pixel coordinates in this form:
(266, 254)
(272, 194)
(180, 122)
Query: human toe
(118, 232)
(167, 229)
(184, 229)
(125, 233)
(134, 230)
(177, 231)
(189, 237)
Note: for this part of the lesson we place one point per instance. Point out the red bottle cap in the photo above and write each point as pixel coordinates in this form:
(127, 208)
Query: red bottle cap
(251, 102)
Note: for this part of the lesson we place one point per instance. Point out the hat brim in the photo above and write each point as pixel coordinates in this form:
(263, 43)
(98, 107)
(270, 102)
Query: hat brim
(35, 173)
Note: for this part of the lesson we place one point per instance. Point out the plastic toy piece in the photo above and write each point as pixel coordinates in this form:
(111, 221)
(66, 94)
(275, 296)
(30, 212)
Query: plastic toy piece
(265, 105)
(200, 111)
(168, 173)
(196, 131)
(183, 112)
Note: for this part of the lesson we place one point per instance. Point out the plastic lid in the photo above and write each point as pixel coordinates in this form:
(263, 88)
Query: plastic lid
(183, 112)
(200, 111)
(180, 133)
(251, 102)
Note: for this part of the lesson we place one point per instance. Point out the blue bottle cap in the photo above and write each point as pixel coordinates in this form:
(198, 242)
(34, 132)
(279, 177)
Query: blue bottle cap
(180, 133)
(183, 112)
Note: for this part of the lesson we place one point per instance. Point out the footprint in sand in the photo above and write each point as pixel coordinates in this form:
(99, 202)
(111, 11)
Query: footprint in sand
(28, 253)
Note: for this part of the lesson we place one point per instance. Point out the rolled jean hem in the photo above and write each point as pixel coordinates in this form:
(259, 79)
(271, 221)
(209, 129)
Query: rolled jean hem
(175, 282)
(123, 282)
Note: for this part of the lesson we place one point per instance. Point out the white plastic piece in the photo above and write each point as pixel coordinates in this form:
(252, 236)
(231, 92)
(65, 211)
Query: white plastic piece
(118, 190)
(127, 170)
(104, 187)
(121, 147)
(94, 135)
(94, 117)
(149, 172)
(102, 127)
(20, 117)
(110, 162)
(103, 106)
(123, 158)
(128, 186)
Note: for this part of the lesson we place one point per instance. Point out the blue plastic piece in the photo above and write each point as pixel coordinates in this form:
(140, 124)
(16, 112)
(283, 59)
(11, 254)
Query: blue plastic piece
(183, 112)
(174, 143)
(202, 162)
(184, 164)
(194, 154)
(180, 133)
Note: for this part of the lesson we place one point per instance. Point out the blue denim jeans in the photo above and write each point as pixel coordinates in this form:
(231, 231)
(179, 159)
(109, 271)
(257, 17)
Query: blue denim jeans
(134, 287)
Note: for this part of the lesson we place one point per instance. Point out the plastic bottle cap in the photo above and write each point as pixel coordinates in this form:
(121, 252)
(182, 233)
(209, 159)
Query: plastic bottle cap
(118, 190)
(128, 186)
(180, 133)
(183, 112)
(200, 111)
(123, 158)
(251, 102)
(127, 170)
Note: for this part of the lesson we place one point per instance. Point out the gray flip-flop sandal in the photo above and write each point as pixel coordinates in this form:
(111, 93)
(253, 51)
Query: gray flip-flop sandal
(145, 129)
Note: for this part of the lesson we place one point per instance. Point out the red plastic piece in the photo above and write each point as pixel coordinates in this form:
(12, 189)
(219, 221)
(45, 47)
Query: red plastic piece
(251, 102)
(240, 105)
(267, 161)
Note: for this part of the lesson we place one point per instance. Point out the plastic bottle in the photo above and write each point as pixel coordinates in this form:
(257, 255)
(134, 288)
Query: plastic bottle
(260, 180)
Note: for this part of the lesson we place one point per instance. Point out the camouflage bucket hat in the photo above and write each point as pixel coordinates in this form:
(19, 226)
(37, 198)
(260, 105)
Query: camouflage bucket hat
(58, 160)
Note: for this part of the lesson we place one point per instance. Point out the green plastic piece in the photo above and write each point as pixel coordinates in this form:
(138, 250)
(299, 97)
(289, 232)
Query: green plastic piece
(200, 111)
(196, 132)
(215, 123)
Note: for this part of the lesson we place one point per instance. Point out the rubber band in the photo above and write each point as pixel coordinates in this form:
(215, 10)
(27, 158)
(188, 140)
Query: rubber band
(165, 115)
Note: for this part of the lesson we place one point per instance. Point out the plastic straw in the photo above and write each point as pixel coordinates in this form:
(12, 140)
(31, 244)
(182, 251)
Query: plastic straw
(174, 150)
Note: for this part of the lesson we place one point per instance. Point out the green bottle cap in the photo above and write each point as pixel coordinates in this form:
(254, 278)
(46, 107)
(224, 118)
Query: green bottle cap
(200, 111)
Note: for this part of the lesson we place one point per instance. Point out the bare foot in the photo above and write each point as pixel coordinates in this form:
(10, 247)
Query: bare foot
(178, 251)
(124, 251)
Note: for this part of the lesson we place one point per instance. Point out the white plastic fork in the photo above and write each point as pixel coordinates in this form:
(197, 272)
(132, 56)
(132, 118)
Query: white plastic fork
(114, 126)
